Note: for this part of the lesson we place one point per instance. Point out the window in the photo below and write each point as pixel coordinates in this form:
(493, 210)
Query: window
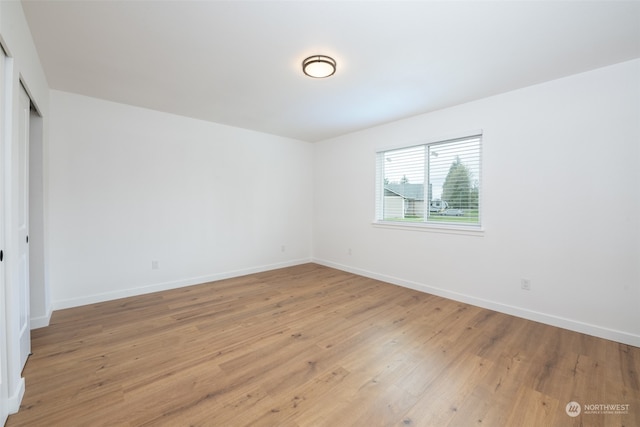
(434, 183)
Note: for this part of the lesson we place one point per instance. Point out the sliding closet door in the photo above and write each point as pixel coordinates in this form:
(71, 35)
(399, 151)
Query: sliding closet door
(21, 223)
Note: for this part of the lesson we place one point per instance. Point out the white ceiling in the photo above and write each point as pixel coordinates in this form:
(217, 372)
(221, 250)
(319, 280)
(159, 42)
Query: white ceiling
(238, 62)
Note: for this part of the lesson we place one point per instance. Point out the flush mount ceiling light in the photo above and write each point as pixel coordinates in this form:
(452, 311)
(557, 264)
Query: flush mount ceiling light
(319, 66)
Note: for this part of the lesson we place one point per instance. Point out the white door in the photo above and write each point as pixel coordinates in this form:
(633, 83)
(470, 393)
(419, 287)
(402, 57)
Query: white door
(4, 352)
(22, 224)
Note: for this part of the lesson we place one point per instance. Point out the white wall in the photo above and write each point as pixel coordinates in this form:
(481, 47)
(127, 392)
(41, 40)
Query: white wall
(129, 186)
(561, 200)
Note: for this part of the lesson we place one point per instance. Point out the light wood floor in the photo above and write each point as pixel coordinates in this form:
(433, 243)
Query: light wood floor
(313, 346)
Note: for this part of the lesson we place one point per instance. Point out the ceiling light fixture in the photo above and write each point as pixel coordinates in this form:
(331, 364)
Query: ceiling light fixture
(319, 66)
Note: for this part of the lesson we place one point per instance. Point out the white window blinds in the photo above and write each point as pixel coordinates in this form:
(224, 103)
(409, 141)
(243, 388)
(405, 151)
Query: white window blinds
(437, 182)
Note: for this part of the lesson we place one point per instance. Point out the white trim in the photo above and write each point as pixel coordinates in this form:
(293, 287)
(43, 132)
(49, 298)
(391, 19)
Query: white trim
(447, 228)
(549, 319)
(156, 287)
(41, 321)
(16, 397)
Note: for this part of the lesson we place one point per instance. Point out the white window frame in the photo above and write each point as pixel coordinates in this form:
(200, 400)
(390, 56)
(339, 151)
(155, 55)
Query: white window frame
(474, 229)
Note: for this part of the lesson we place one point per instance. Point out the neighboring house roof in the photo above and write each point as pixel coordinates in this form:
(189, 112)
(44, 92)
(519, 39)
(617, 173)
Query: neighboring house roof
(406, 191)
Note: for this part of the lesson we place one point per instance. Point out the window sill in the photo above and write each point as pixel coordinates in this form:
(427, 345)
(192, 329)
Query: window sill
(470, 230)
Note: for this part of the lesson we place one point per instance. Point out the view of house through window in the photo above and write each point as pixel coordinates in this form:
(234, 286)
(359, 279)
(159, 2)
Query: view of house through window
(437, 183)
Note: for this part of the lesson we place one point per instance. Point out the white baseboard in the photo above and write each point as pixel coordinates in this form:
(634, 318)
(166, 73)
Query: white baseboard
(141, 290)
(41, 321)
(549, 319)
(15, 397)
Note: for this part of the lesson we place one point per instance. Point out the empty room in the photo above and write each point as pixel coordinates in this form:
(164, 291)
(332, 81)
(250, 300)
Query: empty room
(319, 213)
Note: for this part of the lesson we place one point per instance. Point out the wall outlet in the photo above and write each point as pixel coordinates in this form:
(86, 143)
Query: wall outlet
(349, 251)
(525, 284)
(155, 265)
(283, 248)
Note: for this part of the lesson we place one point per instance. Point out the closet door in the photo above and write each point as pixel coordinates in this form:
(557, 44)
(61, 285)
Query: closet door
(21, 225)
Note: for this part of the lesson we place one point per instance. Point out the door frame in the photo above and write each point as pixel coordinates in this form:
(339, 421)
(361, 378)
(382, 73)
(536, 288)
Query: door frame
(12, 384)
(4, 353)
(13, 86)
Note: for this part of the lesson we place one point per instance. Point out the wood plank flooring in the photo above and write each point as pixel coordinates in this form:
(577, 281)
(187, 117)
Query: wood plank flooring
(314, 346)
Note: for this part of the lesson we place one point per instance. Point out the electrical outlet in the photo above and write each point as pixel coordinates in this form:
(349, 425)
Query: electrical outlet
(283, 248)
(155, 265)
(349, 251)
(525, 284)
